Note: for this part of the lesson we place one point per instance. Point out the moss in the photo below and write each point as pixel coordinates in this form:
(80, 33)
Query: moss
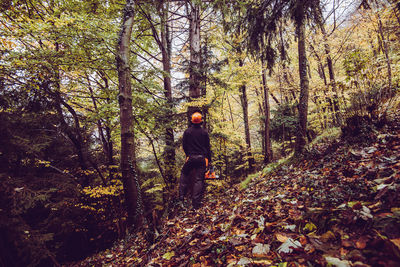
(326, 136)
(273, 166)
(245, 183)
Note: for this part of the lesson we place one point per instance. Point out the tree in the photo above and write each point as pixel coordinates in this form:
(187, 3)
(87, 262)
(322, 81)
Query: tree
(166, 50)
(300, 20)
(162, 35)
(262, 20)
(128, 157)
(266, 107)
(320, 23)
(195, 54)
(244, 102)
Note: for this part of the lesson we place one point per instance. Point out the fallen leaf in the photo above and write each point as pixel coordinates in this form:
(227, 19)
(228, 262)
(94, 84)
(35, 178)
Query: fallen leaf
(263, 262)
(361, 243)
(303, 240)
(244, 261)
(260, 250)
(343, 252)
(193, 242)
(289, 245)
(290, 227)
(231, 259)
(281, 237)
(235, 241)
(347, 243)
(396, 242)
(168, 255)
(310, 227)
(337, 262)
(309, 248)
(241, 248)
(328, 236)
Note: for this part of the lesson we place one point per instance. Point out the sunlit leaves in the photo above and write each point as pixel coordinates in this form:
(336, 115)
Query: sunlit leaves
(114, 189)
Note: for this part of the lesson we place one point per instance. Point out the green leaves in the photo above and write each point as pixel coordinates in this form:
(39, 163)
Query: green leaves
(168, 255)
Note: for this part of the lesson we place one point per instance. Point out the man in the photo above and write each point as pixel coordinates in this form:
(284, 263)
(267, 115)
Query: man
(196, 144)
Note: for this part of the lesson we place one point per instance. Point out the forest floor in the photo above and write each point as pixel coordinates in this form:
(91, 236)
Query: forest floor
(339, 206)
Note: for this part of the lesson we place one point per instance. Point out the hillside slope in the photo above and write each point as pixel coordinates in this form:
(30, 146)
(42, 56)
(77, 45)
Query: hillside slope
(339, 206)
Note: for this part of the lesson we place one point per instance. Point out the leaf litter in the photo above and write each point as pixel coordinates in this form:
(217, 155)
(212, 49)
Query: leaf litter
(338, 207)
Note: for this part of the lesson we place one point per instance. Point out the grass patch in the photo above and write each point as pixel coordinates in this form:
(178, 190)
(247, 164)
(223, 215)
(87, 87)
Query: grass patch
(271, 167)
(245, 183)
(327, 136)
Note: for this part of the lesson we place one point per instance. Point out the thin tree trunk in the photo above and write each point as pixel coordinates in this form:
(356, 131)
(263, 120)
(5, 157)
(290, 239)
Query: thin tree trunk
(261, 112)
(230, 111)
(110, 148)
(128, 157)
(335, 99)
(267, 137)
(73, 133)
(243, 98)
(386, 52)
(98, 123)
(169, 151)
(303, 101)
(274, 98)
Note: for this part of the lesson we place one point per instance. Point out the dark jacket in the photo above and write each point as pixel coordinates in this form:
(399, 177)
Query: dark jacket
(196, 142)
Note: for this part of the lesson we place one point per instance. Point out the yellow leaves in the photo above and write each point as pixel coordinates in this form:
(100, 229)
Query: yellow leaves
(310, 227)
(44, 163)
(100, 191)
(198, 103)
(396, 242)
(193, 242)
(85, 207)
(155, 188)
(168, 255)
(281, 237)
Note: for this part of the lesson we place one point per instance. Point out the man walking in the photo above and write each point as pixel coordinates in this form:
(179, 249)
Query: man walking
(196, 144)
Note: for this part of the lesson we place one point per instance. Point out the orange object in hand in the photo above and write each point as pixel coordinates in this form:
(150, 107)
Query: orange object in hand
(210, 174)
(206, 162)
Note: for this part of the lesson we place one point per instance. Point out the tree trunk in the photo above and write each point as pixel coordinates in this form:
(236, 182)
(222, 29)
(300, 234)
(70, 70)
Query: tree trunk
(243, 98)
(261, 114)
(335, 99)
(169, 151)
(303, 101)
(267, 137)
(110, 146)
(195, 57)
(128, 157)
(274, 98)
(73, 133)
(386, 52)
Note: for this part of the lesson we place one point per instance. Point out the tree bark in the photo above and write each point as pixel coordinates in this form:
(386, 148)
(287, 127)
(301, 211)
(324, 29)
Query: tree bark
(195, 57)
(304, 84)
(243, 98)
(128, 157)
(267, 137)
(261, 114)
(169, 151)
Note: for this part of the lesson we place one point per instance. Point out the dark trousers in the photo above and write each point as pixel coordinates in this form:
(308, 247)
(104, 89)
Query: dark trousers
(192, 179)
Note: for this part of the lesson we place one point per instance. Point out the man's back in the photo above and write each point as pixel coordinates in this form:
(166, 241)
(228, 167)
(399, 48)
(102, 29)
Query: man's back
(196, 142)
